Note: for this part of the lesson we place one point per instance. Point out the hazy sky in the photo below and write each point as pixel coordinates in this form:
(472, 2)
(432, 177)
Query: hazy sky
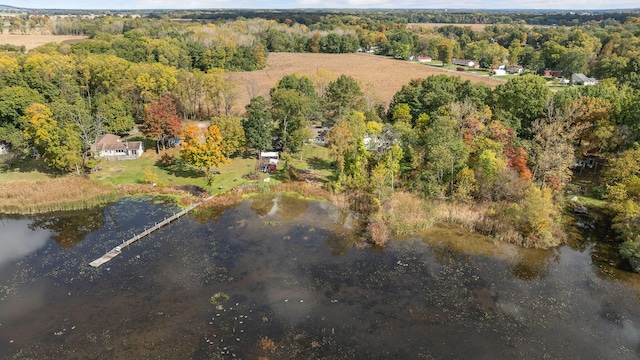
(283, 4)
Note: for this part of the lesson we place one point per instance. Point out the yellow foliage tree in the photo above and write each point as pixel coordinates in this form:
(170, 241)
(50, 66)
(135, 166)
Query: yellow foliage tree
(203, 149)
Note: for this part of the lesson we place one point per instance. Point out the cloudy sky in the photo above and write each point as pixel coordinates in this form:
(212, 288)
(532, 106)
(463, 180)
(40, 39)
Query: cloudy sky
(285, 4)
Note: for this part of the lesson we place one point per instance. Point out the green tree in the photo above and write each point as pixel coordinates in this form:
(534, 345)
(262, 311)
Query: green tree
(232, 132)
(258, 125)
(524, 98)
(343, 95)
(115, 113)
(289, 109)
(572, 61)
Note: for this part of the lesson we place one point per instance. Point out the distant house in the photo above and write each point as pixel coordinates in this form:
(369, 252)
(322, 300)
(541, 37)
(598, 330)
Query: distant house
(424, 59)
(514, 69)
(4, 147)
(552, 73)
(582, 79)
(112, 148)
(269, 161)
(498, 72)
(463, 62)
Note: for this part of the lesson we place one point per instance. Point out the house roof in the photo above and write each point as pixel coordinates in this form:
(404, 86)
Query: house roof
(579, 78)
(582, 78)
(112, 142)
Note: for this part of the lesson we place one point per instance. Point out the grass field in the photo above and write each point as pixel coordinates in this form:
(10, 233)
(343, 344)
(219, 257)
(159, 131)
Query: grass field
(384, 76)
(33, 41)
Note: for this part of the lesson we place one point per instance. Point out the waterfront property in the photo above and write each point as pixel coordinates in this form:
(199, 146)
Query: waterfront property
(112, 148)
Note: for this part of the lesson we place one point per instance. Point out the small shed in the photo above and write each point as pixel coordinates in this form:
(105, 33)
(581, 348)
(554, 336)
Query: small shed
(268, 162)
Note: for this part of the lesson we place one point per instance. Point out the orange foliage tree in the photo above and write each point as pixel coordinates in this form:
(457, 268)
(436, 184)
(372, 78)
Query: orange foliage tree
(161, 120)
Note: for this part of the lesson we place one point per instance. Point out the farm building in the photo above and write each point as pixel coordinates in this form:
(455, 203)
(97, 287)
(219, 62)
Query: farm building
(498, 72)
(582, 79)
(268, 162)
(552, 73)
(424, 59)
(112, 148)
(463, 62)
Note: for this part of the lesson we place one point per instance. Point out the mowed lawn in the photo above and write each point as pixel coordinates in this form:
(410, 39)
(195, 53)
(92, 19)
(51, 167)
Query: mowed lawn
(380, 77)
(134, 172)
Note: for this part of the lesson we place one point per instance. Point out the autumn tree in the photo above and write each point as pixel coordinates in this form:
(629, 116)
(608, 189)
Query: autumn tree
(203, 149)
(60, 146)
(340, 143)
(161, 120)
(551, 147)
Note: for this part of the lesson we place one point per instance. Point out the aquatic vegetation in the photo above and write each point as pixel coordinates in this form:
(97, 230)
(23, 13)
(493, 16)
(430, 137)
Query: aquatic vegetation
(234, 289)
(219, 298)
(58, 194)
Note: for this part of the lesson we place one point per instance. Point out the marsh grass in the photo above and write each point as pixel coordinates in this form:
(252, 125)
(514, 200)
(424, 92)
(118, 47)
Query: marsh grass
(57, 194)
(481, 218)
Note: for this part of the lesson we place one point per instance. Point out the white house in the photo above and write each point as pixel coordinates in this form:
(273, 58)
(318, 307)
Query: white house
(463, 62)
(582, 79)
(514, 69)
(498, 72)
(424, 59)
(111, 147)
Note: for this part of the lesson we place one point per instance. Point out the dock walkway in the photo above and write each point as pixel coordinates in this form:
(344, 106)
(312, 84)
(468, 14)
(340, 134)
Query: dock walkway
(118, 249)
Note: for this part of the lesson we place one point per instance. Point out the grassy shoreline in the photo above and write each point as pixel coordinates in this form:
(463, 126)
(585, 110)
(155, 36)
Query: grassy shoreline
(28, 188)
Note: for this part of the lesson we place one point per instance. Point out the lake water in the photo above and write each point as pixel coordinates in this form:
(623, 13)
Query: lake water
(300, 287)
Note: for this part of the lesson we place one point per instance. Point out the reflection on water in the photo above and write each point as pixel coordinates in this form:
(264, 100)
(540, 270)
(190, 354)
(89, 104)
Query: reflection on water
(18, 240)
(301, 288)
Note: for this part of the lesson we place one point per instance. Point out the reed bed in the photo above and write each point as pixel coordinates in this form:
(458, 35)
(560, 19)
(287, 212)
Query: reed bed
(480, 218)
(58, 194)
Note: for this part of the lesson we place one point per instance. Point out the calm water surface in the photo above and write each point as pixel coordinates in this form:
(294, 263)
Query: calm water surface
(299, 288)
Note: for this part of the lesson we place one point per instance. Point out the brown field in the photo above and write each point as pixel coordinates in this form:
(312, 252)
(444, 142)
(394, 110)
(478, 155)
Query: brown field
(474, 27)
(381, 76)
(33, 41)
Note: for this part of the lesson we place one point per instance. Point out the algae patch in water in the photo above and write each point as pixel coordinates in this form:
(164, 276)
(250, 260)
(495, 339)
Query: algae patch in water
(219, 298)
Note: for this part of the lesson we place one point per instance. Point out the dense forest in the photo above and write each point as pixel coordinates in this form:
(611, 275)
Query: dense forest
(496, 160)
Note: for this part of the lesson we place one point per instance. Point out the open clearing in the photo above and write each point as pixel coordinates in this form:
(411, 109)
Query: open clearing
(33, 41)
(379, 76)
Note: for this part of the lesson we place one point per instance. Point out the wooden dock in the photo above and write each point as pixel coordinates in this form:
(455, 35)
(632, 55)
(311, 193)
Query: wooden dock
(118, 249)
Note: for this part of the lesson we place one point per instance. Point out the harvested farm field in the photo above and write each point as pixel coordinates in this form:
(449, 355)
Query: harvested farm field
(379, 76)
(32, 41)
